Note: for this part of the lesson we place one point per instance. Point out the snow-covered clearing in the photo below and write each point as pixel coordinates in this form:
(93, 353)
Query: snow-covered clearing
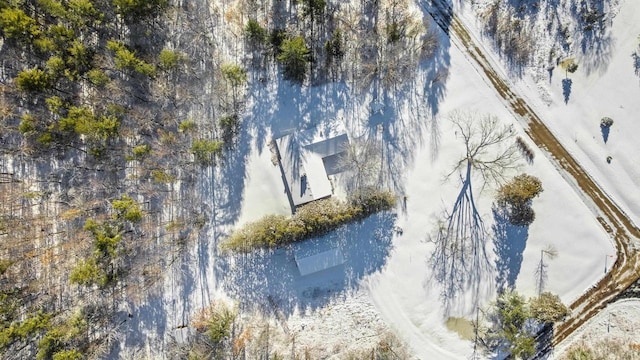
(387, 282)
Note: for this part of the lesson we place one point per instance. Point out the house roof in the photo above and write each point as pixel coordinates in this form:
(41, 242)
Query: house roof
(321, 261)
(306, 165)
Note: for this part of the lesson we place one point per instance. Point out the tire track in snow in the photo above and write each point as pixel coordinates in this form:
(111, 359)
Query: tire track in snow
(624, 271)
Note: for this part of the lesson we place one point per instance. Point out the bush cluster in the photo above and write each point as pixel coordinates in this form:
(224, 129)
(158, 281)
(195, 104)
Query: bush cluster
(313, 219)
(516, 196)
(606, 122)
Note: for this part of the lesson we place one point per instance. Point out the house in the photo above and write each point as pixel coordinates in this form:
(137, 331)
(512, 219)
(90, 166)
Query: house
(307, 163)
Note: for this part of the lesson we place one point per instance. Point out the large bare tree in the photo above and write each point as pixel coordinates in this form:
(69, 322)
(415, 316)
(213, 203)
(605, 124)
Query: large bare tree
(459, 259)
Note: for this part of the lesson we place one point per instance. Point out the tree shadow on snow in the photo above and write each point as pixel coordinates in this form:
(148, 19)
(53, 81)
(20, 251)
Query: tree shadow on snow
(509, 244)
(593, 20)
(605, 133)
(459, 261)
(566, 89)
(269, 278)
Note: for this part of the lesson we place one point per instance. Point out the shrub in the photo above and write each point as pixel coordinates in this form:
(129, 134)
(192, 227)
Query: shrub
(4, 265)
(162, 177)
(126, 59)
(547, 308)
(333, 47)
(606, 122)
(372, 200)
(82, 121)
(137, 9)
(170, 59)
(33, 80)
(18, 25)
(516, 196)
(97, 77)
(254, 32)
(205, 151)
(187, 126)
(27, 124)
(312, 219)
(520, 190)
(67, 355)
(126, 208)
(55, 66)
(141, 151)
(216, 322)
(86, 273)
(234, 74)
(294, 55)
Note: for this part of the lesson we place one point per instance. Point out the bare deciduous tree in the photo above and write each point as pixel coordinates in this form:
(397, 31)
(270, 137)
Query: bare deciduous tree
(460, 258)
(484, 139)
(361, 160)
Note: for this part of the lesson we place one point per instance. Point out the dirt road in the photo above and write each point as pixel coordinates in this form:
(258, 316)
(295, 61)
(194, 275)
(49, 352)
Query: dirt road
(625, 270)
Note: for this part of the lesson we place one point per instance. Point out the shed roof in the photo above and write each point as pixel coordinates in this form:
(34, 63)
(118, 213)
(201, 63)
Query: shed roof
(321, 261)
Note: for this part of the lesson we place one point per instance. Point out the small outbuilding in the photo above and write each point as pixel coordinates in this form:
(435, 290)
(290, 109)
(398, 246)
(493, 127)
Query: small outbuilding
(318, 262)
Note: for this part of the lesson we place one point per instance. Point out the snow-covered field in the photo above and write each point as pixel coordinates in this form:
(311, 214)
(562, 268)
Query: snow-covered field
(387, 283)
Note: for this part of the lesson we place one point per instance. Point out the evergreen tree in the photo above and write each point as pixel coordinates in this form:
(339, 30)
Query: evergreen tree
(294, 56)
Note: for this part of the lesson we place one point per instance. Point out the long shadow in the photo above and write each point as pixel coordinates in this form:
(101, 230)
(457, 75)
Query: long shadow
(459, 261)
(594, 36)
(437, 65)
(401, 113)
(509, 244)
(264, 278)
(566, 89)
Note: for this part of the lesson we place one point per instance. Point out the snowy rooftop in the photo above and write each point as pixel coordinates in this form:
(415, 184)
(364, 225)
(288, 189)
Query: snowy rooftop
(306, 163)
(318, 262)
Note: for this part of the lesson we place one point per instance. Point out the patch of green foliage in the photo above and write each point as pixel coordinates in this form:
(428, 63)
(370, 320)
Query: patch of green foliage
(187, 126)
(206, 151)
(82, 121)
(126, 59)
(16, 24)
(126, 208)
(141, 151)
(58, 342)
(4, 265)
(312, 219)
(333, 46)
(169, 59)
(255, 32)
(294, 56)
(33, 80)
(139, 9)
(27, 124)
(236, 75)
(162, 177)
(25, 329)
(87, 273)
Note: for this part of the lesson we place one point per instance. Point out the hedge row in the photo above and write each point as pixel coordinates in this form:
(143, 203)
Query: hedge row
(313, 219)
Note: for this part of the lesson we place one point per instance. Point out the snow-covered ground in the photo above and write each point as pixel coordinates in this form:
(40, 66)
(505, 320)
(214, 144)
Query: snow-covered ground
(387, 282)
